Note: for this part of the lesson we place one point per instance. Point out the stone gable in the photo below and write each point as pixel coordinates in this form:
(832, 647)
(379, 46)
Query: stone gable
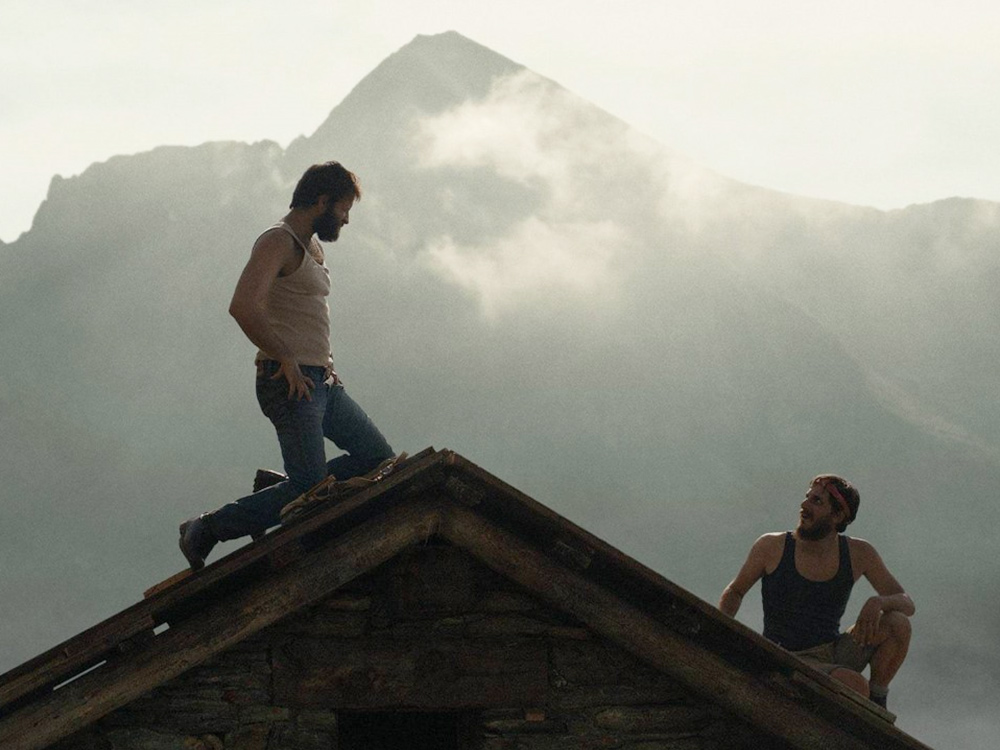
(437, 649)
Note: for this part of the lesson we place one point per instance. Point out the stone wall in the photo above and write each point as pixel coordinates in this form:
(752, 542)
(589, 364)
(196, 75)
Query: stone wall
(433, 634)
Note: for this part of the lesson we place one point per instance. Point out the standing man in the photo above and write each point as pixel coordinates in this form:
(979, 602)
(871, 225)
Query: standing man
(807, 578)
(280, 302)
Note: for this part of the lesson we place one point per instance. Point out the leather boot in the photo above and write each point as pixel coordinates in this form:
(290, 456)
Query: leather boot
(196, 541)
(266, 478)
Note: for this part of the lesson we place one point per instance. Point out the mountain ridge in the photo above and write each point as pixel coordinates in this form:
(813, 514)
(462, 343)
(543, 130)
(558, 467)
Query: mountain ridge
(657, 352)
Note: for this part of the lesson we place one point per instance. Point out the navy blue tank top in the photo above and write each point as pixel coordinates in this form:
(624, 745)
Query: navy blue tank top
(799, 613)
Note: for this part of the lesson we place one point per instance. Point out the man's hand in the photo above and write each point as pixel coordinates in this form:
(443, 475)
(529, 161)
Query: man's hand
(866, 628)
(331, 375)
(299, 386)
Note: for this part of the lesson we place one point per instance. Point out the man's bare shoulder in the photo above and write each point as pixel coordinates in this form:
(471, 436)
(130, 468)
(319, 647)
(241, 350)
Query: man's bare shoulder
(274, 239)
(771, 540)
(768, 549)
(862, 551)
(275, 253)
(860, 546)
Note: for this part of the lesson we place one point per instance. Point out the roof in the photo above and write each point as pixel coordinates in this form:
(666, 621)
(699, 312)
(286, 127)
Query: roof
(435, 494)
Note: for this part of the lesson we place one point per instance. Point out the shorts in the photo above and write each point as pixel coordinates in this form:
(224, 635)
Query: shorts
(844, 652)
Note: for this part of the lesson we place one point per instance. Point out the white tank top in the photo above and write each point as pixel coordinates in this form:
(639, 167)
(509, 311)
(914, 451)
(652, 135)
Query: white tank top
(297, 307)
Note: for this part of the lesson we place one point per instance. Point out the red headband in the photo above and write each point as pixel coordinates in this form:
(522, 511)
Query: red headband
(832, 489)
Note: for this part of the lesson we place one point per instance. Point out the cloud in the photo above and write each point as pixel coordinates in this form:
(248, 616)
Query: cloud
(530, 132)
(536, 259)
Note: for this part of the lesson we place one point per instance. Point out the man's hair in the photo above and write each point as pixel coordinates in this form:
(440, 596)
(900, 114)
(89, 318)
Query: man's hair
(836, 485)
(329, 178)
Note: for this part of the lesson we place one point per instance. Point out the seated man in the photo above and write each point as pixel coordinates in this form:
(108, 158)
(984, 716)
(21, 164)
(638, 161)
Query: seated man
(807, 578)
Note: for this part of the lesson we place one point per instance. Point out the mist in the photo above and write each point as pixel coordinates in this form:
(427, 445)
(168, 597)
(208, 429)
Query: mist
(661, 354)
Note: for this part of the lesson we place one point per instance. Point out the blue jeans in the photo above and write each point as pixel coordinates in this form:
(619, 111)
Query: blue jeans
(302, 426)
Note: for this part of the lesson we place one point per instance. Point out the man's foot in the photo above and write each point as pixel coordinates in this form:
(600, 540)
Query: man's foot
(266, 478)
(196, 541)
(878, 695)
(330, 489)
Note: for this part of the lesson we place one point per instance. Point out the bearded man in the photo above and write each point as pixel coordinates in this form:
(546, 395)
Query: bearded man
(807, 576)
(280, 304)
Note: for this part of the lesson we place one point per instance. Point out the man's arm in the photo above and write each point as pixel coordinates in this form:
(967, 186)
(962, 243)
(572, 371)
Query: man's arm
(272, 253)
(890, 595)
(755, 566)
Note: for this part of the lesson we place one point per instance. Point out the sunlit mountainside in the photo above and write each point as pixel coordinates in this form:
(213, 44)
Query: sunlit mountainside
(659, 353)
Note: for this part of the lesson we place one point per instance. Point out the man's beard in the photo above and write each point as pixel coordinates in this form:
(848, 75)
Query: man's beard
(817, 532)
(327, 227)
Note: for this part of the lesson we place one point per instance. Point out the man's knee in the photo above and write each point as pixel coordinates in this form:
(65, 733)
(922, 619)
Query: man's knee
(854, 680)
(896, 626)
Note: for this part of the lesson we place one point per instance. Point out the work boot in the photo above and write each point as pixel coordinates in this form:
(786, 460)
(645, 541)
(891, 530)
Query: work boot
(196, 541)
(266, 478)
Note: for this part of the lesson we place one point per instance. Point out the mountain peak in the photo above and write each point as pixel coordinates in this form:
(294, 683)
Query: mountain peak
(446, 62)
(443, 41)
(448, 47)
(429, 74)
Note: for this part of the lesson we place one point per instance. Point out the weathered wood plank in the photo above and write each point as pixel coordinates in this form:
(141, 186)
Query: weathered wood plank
(74, 656)
(167, 583)
(89, 647)
(714, 630)
(520, 510)
(634, 630)
(219, 626)
(814, 685)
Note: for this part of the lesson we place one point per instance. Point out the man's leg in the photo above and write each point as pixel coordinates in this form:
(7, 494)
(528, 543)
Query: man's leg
(891, 645)
(299, 427)
(830, 658)
(885, 655)
(350, 429)
(854, 680)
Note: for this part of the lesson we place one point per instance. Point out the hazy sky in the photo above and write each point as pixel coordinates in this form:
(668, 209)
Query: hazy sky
(884, 103)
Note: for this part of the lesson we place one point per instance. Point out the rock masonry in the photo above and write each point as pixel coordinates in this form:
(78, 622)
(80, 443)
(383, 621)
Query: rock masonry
(437, 648)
